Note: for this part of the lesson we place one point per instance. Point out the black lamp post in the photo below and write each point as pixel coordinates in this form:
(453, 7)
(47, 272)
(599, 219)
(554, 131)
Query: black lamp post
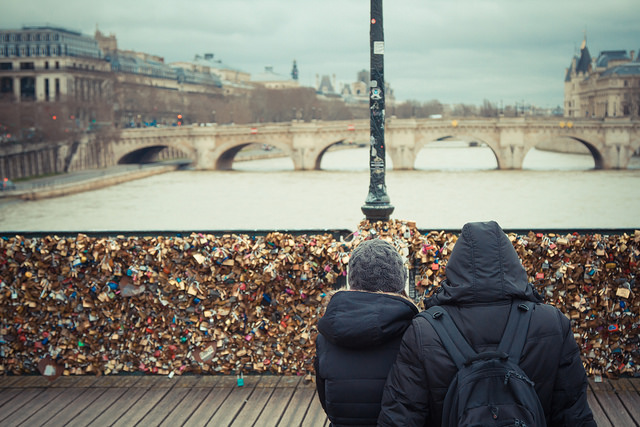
(377, 206)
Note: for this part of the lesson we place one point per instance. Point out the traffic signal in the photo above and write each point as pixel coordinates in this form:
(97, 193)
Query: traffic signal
(180, 120)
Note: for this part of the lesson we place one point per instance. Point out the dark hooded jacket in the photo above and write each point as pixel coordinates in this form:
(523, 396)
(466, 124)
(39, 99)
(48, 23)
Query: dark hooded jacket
(359, 337)
(484, 276)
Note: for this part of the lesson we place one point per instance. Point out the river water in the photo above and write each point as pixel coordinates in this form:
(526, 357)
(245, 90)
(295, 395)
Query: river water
(453, 184)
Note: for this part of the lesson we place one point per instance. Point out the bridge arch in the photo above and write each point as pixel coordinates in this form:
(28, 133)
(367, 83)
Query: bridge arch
(426, 139)
(323, 148)
(148, 153)
(225, 154)
(592, 147)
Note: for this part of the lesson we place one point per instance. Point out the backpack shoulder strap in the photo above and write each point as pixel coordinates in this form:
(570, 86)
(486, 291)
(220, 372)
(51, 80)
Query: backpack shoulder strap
(515, 333)
(453, 341)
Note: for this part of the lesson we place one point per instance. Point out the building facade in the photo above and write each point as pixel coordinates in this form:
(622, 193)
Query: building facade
(604, 86)
(48, 63)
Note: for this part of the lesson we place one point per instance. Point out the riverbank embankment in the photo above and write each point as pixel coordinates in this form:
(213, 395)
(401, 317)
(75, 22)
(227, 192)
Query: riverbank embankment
(63, 185)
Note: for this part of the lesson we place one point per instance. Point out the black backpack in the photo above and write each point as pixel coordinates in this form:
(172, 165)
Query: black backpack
(489, 389)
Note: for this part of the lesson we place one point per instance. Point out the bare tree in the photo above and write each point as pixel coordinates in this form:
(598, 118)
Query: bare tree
(488, 109)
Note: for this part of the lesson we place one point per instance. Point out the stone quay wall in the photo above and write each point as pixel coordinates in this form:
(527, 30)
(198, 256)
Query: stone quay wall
(243, 303)
(24, 161)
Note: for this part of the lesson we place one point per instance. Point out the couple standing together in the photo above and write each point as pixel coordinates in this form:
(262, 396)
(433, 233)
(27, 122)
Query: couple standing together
(380, 363)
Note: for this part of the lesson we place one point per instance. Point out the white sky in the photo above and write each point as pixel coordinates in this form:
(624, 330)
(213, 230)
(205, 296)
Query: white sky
(454, 51)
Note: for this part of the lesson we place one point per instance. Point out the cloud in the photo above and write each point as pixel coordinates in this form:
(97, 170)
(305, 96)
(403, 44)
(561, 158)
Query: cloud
(463, 51)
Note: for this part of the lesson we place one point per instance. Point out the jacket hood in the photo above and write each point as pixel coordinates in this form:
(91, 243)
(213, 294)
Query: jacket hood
(483, 267)
(359, 319)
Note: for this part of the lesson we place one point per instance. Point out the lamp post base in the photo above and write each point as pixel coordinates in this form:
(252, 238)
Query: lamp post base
(377, 211)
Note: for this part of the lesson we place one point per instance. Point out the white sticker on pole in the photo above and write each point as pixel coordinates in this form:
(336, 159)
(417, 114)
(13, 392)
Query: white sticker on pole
(378, 48)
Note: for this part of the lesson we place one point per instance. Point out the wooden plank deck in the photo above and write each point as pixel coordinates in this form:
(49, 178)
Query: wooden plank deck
(216, 401)
(154, 401)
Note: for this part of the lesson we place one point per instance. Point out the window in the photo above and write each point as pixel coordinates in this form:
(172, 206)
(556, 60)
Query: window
(26, 66)
(6, 66)
(46, 65)
(57, 66)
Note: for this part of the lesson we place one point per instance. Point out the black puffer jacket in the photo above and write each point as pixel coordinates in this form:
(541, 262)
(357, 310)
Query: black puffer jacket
(359, 337)
(484, 274)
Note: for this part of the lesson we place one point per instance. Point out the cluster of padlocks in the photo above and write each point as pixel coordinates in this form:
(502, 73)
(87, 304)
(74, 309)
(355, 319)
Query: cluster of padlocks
(239, 303)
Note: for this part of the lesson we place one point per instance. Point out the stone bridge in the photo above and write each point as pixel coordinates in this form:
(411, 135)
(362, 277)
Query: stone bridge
(611, 142)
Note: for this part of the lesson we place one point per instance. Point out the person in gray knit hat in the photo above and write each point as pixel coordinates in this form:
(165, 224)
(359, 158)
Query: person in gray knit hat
(360, 334)
(376, 266)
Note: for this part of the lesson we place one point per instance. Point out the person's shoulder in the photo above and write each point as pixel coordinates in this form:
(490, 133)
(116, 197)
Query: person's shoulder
(548, 312)
(549, 320)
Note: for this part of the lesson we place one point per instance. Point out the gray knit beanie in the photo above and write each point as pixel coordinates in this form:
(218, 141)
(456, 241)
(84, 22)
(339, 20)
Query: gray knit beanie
(375, 265)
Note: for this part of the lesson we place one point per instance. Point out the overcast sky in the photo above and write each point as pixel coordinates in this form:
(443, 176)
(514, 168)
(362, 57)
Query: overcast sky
(453, 51)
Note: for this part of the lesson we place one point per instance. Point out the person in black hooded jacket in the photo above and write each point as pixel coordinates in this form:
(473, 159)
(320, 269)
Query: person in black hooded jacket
(360, 333)
(483, 276)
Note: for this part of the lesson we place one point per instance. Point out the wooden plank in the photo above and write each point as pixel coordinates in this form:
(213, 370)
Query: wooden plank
(65, 397)
(250, 381)
(97, 407)
(276, 406)
(169, 403)
(118, 381)
(253, 406)
(32, 381)
(269, 381)
(25, 404)
(7, 381)
(144, 404)
(187, 381)
(611, 405)
(208, 381)
(153, 381)
(289, 381)
(315, 416)
(6, 394)
(231, 406)
(635, 382)
(599, 414)
(629, 396)
(31, 403)
(119, 407)
(189, 405)
(74, 381)
(298, 406)
(84, 399)
(209, 406)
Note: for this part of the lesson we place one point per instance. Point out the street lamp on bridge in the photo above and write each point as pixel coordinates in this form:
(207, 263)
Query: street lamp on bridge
(377, 205)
